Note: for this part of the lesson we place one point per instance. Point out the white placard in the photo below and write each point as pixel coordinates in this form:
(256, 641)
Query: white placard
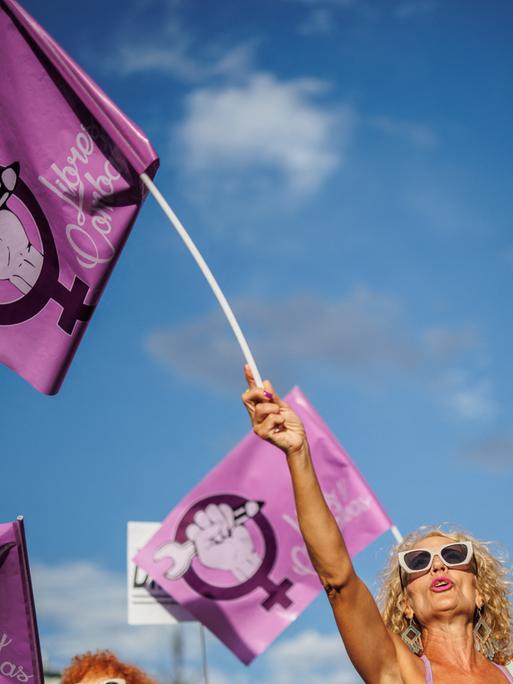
(148, 604)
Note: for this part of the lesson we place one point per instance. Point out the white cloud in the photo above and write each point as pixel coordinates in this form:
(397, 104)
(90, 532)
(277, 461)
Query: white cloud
(310, 657)
(314, 658)
(218, 677)
(265, 124)
(81, 606)
(467, 397)
(365, 334)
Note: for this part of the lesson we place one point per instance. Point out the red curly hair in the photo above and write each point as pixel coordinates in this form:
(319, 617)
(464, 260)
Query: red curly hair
(102, 664)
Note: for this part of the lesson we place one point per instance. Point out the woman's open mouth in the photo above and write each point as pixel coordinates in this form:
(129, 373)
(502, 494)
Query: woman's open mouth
(441, 584)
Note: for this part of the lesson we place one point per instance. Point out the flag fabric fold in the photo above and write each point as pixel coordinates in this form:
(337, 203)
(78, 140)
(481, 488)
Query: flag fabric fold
(70, 191)
(20, 656)
(231, 552)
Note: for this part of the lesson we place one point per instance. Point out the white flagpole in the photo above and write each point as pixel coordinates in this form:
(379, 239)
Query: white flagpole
(397, 535)
(207, 273)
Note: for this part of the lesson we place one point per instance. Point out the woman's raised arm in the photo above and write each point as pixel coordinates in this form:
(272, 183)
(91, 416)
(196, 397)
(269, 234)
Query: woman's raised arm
(367, 640)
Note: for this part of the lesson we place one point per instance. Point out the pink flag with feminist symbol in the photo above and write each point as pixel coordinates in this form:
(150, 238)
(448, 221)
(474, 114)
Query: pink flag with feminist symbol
(20, 657)
(231, 552)
(70, 191)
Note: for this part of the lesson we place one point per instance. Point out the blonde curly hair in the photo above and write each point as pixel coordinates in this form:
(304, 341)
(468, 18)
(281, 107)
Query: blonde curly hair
(493, 581)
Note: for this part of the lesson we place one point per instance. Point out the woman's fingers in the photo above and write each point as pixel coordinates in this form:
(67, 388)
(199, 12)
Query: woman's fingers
(254, 396)
(264, 410)
(268, 391)
(268, 427)
(249, 376)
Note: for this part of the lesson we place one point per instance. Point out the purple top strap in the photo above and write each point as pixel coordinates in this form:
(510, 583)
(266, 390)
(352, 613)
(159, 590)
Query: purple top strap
(429, 672)
(506, 672)
(427, 668)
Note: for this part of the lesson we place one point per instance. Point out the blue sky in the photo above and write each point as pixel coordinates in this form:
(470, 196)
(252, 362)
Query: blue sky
(345, 167)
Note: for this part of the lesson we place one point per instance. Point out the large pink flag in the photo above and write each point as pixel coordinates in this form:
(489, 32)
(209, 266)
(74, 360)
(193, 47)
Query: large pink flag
(231, 551)
(70, 191)
(20, 657)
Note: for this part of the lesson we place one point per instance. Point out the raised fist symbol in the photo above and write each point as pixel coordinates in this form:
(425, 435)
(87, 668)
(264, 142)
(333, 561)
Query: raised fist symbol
(222, 542)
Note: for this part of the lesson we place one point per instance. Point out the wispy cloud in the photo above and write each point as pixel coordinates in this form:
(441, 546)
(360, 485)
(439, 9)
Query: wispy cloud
(466, 396)
(265, 123)
(172, 47)
(495, 452)
(320, 21)
(365, 334)
(172, 55)
(415, 133)
(403, 9)
(446, 343)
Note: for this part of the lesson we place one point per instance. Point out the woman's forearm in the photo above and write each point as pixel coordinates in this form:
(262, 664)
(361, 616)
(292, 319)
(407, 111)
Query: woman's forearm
(320, 531)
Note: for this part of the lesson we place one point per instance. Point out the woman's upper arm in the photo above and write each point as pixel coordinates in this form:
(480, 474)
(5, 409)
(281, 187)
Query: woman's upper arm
(368, 642)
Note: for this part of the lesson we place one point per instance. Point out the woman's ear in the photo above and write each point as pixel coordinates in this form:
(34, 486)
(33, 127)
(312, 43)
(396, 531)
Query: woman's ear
(479, 600)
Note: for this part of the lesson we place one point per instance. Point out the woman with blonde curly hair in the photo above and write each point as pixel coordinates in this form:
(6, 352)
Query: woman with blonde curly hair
(446, 613)
(103, 667)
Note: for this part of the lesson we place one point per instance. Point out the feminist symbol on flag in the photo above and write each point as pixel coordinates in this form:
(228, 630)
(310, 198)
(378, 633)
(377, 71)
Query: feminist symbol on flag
(200, 534)
(29, 260)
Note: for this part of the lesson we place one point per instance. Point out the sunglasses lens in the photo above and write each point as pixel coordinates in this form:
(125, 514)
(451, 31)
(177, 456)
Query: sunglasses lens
(417, 560)
(454, 554)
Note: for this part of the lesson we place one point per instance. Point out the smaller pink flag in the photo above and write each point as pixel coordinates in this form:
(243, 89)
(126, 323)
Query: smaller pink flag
(231, 551)
(20, 657)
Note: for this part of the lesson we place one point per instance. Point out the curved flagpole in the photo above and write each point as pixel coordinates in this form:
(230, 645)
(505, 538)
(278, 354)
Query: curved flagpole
(207, 273)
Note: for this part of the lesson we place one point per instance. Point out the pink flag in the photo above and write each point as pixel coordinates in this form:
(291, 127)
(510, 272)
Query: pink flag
(70, 191)
(231, 551)
(20, 657)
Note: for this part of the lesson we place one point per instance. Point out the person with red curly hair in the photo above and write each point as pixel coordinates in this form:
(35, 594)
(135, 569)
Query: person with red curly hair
(103, 667)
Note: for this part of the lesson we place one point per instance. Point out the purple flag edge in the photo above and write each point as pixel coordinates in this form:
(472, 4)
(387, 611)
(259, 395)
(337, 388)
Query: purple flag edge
(29, 598)
(297, 395)
(91, 95)
(16, 531)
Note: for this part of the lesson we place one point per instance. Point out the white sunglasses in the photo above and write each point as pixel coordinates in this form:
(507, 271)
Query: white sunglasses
(452, 555)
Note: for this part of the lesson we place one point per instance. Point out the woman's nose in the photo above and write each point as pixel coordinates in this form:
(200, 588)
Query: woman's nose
(438, 563)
